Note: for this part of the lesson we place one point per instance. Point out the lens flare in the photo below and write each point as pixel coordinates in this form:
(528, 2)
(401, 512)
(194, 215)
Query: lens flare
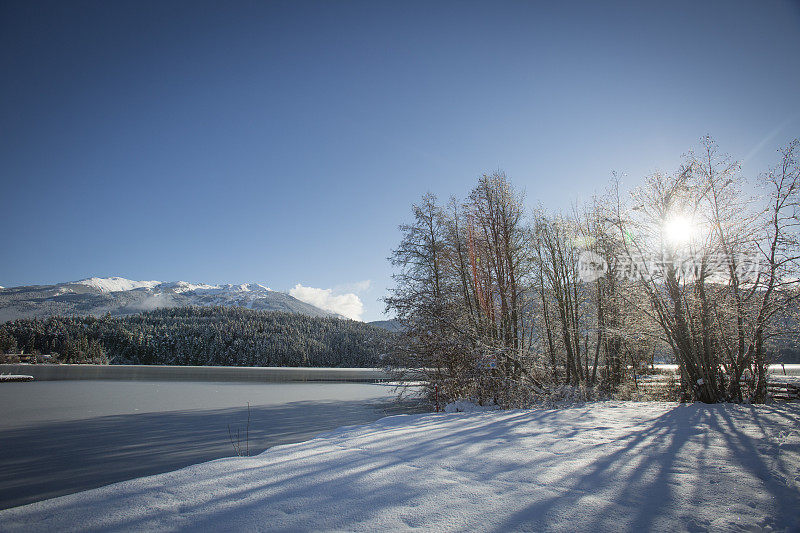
(679, 230)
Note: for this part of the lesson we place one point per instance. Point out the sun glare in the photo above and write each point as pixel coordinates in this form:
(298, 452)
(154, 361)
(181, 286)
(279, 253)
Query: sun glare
(679, 230)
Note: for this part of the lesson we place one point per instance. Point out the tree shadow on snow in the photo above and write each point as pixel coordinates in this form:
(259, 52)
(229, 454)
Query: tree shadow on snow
(628, 476)
(52, 459)
(633, 482)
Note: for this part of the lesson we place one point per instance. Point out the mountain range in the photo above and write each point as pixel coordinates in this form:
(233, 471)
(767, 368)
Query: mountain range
(120, 296)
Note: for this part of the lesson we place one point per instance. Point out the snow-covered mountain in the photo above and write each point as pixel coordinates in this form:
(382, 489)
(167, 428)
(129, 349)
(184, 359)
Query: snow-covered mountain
(120, 296)
(115, 284)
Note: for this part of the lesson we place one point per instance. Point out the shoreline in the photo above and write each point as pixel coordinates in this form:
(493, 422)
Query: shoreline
(51, 372)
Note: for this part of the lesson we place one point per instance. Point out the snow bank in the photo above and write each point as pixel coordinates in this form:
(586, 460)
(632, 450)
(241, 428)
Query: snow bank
(596, 467)
(15, 377)
(784, 370)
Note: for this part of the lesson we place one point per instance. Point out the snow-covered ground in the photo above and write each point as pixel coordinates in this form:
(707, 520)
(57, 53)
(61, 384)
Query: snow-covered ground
(597, 467)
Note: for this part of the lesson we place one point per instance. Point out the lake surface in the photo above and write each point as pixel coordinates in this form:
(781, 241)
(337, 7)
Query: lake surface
(60, 437)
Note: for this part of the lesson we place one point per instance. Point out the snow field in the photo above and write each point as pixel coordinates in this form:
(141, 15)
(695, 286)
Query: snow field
(598, 467)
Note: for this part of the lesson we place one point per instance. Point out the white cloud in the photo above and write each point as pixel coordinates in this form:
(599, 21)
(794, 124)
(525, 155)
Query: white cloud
(348, 304)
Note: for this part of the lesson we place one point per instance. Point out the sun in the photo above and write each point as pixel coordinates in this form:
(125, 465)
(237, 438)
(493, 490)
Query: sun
(679, 230)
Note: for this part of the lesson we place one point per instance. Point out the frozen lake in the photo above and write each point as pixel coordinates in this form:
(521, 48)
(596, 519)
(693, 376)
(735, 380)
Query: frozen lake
(59, 437)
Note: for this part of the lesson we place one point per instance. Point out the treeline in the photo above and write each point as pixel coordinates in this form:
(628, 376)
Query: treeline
(506, 304)
(231, 336)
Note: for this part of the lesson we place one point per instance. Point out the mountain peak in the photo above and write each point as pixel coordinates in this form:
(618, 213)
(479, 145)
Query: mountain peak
(116, 284)
(119, 284)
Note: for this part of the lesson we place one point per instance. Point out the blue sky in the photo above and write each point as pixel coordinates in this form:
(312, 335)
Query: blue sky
(283, 142)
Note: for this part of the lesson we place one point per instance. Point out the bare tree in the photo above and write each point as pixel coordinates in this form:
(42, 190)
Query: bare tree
(780, 248)
(692, 239)
(500, 311)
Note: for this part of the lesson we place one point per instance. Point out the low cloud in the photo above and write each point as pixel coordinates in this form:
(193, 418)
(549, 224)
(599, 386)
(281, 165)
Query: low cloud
(348, 304)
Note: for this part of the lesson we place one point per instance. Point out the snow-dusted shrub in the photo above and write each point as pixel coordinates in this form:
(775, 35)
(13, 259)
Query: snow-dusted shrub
(648, 388)
(469, 406)
(561, 394)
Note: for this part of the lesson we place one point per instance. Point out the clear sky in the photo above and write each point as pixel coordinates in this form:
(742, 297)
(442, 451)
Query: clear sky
(283, 142)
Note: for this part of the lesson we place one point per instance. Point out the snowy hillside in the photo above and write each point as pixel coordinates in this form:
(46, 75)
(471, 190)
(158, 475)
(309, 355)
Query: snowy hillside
(392, 325)
(599, 467)
(117, 296)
